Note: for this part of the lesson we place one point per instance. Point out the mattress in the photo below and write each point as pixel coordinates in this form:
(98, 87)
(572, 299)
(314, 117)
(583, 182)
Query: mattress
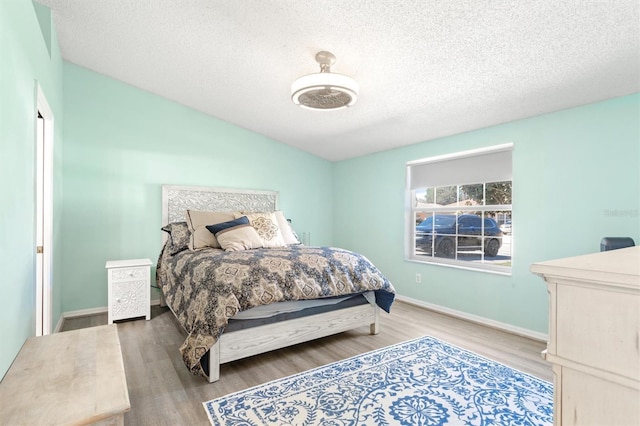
(340, 303)
(310, 307)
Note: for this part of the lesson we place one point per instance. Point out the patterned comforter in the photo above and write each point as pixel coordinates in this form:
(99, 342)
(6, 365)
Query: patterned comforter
(205, 288)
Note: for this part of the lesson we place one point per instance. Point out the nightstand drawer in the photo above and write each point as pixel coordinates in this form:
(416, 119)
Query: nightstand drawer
(129, 274)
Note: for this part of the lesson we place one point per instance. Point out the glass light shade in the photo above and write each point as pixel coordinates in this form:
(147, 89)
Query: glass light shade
(324, 91)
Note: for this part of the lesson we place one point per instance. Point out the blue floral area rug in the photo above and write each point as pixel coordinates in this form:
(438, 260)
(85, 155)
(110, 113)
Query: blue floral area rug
(419, 382)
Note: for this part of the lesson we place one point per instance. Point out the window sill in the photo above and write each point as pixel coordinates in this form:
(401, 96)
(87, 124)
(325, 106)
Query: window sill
(491, 269)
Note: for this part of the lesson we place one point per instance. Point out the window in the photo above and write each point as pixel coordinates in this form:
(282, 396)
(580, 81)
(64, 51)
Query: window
(460, 209)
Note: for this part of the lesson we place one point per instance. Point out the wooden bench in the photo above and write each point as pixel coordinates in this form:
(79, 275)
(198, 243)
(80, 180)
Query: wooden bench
(74, 377)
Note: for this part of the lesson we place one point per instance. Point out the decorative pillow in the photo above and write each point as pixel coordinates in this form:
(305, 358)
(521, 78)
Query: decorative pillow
(179, 236)
(200, 235)
(237, 237)
(266, 225)
(288, 235)
(214, 229)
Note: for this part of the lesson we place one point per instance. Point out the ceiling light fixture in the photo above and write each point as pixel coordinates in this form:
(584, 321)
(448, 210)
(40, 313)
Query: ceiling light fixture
(324, 90)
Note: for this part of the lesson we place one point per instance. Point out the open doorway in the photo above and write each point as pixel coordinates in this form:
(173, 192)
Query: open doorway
(44, 214)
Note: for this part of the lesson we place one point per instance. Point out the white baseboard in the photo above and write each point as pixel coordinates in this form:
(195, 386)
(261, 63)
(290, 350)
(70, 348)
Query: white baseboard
(59, 325)
(543, 337)
(87, 312)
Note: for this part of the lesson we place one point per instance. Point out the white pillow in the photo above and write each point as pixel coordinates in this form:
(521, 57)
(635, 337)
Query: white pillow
(237, 238)
(266, 225)
(288, 235)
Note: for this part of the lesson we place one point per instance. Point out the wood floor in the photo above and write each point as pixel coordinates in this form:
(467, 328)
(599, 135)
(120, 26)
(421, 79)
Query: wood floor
(163, 392)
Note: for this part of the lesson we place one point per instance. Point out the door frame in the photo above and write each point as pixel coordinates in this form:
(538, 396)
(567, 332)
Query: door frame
(44, 136)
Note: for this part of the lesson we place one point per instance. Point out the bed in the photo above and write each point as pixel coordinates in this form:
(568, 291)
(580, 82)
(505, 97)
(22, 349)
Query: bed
(261, 293)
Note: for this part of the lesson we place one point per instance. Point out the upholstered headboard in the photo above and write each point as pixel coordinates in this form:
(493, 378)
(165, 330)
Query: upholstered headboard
(177, 199)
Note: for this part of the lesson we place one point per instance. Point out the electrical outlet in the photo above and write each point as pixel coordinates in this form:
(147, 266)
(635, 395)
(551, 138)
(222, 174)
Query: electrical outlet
(418, 278)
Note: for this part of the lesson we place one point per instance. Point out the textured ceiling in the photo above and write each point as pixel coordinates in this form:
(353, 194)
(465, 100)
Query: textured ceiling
(426, 68)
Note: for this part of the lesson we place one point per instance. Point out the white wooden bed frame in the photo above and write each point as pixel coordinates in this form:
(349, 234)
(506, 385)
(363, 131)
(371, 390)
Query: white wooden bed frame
(243, 343)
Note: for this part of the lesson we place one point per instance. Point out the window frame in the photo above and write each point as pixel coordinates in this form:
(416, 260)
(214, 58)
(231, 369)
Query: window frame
(412, 211)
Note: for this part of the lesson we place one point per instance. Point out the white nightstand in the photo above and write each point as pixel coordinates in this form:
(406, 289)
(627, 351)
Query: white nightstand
(129, 289)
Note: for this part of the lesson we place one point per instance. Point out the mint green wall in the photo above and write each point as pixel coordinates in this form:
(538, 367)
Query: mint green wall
(25, 59)
(576, 179)
(122, 144)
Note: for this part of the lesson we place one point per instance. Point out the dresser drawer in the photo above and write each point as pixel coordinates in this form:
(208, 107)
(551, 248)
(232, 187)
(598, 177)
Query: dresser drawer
(589, 400)
(598, 328)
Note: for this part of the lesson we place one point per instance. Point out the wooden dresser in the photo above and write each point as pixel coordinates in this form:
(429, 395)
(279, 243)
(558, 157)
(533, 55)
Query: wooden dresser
(594, 337)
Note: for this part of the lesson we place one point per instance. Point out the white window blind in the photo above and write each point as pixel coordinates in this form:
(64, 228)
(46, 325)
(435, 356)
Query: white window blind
(485, 165)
